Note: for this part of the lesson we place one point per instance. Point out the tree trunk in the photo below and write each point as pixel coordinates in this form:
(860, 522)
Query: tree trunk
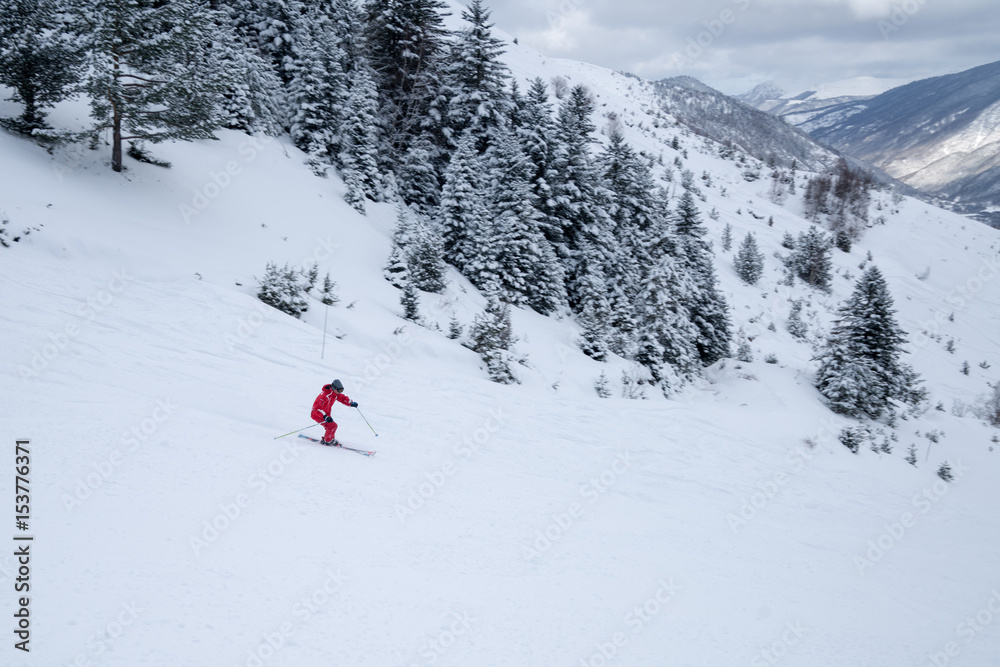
(116, 143)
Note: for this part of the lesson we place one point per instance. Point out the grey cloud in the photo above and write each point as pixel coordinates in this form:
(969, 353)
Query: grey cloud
(817, 41)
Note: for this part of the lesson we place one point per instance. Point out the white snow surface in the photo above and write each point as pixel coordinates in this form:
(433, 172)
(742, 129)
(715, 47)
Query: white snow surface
(533, 524)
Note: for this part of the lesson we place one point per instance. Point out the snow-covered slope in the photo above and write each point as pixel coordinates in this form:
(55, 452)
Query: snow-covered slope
(497, 525)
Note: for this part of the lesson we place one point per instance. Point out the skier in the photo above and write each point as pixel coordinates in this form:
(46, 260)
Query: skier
(324, 403)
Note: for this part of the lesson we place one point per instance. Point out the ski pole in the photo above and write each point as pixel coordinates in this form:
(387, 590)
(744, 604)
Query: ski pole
(290, 432)
(366, 421)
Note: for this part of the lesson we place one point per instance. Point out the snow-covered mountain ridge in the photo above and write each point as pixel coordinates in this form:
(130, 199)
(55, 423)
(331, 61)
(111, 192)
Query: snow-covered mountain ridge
(937, 135)
(534, 524)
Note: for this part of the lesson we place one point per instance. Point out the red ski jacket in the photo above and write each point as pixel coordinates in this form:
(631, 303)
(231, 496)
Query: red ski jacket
(324, 403)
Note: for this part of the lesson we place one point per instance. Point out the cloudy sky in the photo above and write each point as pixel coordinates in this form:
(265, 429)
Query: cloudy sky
(735, 44)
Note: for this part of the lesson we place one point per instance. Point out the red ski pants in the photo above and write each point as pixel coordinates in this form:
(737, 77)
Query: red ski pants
(331, 427)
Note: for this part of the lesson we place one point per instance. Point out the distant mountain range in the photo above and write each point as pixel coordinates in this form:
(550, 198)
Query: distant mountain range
(940, 135)
(710, 113)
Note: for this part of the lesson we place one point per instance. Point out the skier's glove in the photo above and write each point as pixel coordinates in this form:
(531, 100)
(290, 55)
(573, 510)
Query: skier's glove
(354, 404)
(328, 419)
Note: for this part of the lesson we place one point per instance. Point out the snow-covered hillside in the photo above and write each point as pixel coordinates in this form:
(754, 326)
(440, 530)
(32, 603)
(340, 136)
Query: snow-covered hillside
(534, 524)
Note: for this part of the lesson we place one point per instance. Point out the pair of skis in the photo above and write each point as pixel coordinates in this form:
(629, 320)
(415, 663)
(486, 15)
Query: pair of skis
(363, 452)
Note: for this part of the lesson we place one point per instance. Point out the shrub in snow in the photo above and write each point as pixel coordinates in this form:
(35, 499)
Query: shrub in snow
(633, 384)
(843, 241)
(988, 407)
(454, 328)
(410, 301)
(492, 337)
(795, 325)
(727, 237)
(744, 352)
(911, 456)
(811, 259)
(944, 472)
(852, 438)
(329, 293)
(602, 387)
(284, 289)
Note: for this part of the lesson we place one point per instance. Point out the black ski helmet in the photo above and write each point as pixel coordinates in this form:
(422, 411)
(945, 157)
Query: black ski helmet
(338, 385)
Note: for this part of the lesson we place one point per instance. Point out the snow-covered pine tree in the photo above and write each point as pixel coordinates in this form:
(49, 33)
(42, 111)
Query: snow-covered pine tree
(535, 131)
(667, 336)
(317, 91)
(272, 27)
(476, 81)
(595, 310)
(727, 237)
(329, 292)
(253, 99)
(153, 74)
(417, 175)
(406, 45)
(38, 59)
(860, 371)
(462, 209)
(749, 261)
(492, 336)
(416, 254)
(705, 303)
(283, 289)
(410, 301)
(635, 210)
(348, 28)
(811, 259)
(640, 235)
(515, 110)
(397, 267)
(579, 203)
(528, 272)
(425, 256)
(795, 325)
(358, 156)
